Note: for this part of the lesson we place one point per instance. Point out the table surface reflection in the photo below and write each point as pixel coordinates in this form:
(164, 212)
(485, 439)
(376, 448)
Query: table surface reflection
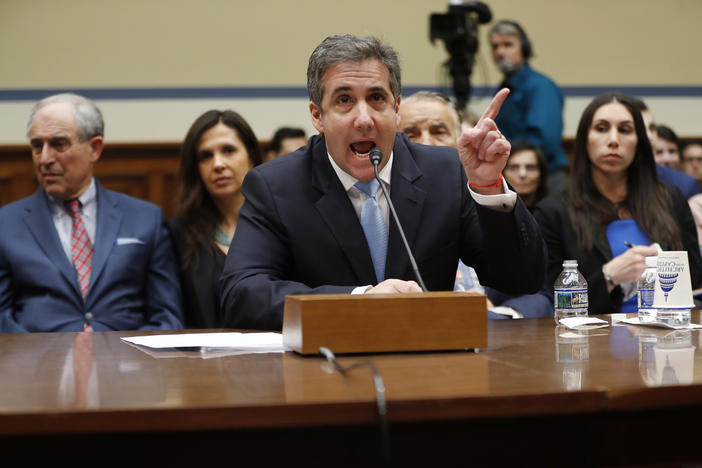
(530, 368)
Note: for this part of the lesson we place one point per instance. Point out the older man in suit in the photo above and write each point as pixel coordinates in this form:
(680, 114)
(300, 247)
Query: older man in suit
(75, 256)
(304, 226)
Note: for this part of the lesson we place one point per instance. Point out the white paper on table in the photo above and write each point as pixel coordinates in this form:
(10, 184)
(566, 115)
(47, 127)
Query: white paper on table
(635, 321)
(580, 323)
(216, 344)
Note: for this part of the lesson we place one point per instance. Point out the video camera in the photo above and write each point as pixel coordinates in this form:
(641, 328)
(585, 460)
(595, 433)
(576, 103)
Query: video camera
(459, 30)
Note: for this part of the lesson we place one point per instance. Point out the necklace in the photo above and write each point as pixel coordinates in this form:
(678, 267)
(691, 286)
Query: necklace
(221, 236)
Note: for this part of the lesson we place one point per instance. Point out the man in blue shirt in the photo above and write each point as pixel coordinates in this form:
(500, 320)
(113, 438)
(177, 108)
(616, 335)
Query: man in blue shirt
(533, 111)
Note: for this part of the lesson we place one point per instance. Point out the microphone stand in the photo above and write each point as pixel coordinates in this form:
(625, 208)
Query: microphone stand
(375, 157)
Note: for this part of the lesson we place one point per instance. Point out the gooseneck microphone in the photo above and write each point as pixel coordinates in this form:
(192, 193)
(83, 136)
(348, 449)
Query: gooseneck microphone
(376, 155)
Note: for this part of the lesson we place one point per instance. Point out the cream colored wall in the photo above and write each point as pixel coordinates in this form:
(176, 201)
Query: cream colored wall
(184, 43)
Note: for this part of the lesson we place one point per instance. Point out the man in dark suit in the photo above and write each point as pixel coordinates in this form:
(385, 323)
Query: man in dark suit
(302, 229)
(75, 256)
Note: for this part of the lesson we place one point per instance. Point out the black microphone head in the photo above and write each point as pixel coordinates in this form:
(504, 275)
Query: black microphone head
(376, 155)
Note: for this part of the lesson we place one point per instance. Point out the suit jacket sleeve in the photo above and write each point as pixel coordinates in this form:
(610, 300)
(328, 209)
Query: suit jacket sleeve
(529, 305)
(8, 324)
(163, 301)
(255, 281)
(513, 259)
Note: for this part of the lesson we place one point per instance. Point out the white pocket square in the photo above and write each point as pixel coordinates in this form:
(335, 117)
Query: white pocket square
(128, 240)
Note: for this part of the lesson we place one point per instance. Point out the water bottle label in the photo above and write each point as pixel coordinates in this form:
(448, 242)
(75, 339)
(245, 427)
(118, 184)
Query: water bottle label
(646, 298)
(571, 299)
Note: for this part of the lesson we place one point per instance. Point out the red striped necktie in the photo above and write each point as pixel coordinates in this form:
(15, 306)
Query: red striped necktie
(81, 248)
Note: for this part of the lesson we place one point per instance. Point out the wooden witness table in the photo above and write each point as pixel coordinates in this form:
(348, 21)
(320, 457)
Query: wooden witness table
(539, 394)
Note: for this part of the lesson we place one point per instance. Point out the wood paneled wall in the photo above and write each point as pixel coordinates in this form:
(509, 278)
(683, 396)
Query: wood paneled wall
(143, 170)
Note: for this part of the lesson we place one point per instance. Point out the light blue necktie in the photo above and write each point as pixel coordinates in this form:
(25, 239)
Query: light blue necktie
(374, 227)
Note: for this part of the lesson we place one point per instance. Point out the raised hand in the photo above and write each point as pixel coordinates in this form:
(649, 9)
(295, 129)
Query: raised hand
(483, 149)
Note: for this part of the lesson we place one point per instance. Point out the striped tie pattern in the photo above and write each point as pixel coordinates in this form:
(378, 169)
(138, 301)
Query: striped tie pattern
(374, 227)
(83, 356)
(81, 248)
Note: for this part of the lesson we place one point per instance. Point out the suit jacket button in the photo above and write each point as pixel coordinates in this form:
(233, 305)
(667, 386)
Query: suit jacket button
(88, 316)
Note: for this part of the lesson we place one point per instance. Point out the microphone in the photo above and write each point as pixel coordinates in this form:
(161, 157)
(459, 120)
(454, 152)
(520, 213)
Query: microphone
(376, 155)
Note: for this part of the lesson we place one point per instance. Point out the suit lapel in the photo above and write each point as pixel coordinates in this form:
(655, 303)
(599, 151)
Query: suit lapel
(408, 200)
(337, 212)
(40, 223)
(108, 221)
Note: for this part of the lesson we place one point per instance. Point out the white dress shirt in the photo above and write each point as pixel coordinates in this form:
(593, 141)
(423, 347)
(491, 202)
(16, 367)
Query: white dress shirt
(64, 222)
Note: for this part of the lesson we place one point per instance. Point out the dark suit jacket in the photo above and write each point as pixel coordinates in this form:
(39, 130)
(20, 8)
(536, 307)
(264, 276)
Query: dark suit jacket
(199, 280)
(686, 183)
(562, 242)
(299, 234)
(134, 280)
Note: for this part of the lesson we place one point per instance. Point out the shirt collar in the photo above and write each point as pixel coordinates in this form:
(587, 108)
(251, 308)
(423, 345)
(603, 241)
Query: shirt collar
(348, 181)
(87, 198)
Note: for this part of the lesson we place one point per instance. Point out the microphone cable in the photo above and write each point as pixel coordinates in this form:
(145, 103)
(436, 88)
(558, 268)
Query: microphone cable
(379, 386)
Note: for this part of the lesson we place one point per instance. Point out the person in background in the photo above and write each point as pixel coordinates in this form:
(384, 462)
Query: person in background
(285, 140)
(430, 118)
(667, 147)
(526, 172)
(615, 201)
(692, 164)
(687, 185)
(218, 151)
(692, 160)
(75, 256)
(533, 111)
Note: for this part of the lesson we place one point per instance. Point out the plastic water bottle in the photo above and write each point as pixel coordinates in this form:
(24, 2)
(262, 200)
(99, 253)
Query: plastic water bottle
(570, 292)
(467, 279)
(646, 286)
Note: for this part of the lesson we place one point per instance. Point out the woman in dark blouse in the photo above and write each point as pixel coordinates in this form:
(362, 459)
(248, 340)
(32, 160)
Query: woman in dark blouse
(615, 209)
(218, 151)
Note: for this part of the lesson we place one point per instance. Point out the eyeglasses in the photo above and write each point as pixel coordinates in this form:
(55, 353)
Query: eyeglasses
(514, 168)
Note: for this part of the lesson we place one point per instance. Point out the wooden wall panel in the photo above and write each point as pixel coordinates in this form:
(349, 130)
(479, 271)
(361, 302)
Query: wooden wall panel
(143, 170)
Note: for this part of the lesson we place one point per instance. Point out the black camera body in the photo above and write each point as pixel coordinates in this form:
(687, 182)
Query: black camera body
(458, 28)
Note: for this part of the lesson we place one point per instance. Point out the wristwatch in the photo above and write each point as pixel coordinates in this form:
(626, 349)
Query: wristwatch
(608, 277)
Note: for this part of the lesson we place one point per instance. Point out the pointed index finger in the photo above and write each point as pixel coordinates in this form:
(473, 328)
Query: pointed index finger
(494, 108)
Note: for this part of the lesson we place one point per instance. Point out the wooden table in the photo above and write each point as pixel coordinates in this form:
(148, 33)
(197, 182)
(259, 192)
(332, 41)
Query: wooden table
(540, 394)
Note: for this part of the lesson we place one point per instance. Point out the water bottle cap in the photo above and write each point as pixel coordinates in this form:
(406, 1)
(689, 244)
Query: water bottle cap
(651, 262)
(570, 263)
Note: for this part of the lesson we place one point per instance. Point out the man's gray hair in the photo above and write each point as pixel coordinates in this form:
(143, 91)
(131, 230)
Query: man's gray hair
(88, 117)
(505, 28)
(348, 48)
(426, 95)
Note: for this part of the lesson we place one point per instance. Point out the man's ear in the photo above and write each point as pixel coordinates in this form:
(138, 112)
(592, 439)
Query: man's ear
(397, 111)
(316, 113)
(96, 145)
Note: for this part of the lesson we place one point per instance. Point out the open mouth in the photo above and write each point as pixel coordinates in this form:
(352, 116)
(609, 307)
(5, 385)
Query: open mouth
(362, 148)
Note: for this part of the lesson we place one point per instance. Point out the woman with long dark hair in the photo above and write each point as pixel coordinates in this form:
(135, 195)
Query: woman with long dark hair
(218, 151)
(615, 210)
